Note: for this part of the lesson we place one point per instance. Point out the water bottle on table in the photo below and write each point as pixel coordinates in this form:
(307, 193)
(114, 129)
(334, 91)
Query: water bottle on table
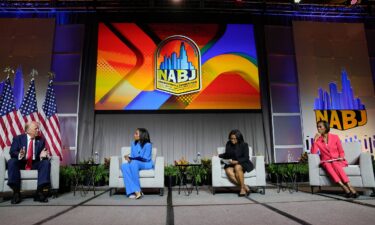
(96, 158)
(199, 160)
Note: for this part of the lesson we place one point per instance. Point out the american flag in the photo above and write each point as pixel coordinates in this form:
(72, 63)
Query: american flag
(29, 106)
(49, 120)
(11, 121)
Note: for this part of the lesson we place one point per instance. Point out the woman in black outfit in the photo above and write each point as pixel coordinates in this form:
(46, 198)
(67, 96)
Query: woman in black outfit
(237, 151)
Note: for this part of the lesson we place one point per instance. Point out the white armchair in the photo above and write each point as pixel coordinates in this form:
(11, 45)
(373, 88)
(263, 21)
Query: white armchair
(29, 178)
(359, 170)
(153, 178)
(256, 177)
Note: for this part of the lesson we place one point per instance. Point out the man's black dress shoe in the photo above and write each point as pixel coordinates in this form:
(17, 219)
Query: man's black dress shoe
(43, 199)
(40, 197)
(16, 198)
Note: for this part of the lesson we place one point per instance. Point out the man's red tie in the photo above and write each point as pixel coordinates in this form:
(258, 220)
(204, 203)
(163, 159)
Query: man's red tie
(29, 156)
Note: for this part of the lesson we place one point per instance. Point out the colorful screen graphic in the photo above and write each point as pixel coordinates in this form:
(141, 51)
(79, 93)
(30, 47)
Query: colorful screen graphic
(176, 67)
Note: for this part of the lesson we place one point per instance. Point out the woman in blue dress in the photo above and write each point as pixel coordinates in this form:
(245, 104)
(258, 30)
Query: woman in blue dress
(139, 159)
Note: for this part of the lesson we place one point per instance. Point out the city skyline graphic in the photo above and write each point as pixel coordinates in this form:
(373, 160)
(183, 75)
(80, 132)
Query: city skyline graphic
(335, 100)
(177, 63)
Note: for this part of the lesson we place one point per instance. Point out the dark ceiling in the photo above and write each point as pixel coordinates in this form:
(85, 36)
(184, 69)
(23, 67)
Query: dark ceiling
(280, 7)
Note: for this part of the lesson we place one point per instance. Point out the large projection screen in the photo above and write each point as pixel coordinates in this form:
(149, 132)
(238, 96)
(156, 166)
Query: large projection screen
(162, 66)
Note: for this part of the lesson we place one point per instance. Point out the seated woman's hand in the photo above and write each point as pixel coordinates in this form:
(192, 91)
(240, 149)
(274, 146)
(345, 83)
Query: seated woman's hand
(127, 158)
(317, 135)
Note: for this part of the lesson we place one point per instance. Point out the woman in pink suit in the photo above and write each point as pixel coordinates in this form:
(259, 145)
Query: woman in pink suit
(332, 157)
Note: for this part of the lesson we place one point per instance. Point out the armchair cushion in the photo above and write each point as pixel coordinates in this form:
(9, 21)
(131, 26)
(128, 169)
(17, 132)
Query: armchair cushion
(351, 170)
(27, 174)
(147, 173)
(143, 173)
(252, 173)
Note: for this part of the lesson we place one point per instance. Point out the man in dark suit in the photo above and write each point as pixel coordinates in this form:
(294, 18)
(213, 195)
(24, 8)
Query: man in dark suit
(28, 152)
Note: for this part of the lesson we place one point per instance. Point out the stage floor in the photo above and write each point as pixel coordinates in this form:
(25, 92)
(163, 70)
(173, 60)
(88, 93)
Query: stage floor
(225, 207)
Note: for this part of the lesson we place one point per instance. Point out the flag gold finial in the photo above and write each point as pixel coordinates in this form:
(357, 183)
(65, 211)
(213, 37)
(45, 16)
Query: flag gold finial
(33, 73)
(8, 71)
(51, 75)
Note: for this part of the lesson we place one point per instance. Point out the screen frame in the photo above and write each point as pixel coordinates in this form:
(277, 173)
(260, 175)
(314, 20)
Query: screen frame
(179, 111)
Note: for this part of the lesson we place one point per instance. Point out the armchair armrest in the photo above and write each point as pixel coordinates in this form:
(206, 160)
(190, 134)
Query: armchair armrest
(55, 172)
(260, 169)
(2, 172)
(367, 172)
(114, 171)
(314, 162)
(159, 170)
(216, 170)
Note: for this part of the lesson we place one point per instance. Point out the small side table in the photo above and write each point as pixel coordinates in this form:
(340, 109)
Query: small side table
(183, 177)
(287, 182)
(82, 171)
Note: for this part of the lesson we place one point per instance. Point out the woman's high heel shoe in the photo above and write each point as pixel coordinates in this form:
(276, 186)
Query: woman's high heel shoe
(248, 190)
(348, 195)
(139, 196)
(354, 195)
(242, 194)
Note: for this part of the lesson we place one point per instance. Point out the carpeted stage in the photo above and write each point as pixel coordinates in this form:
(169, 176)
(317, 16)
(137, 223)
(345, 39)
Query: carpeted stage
(325, 207)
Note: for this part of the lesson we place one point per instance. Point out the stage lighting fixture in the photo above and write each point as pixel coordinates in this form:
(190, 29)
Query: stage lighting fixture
(297, 1)
(355, 2)
(238, 2)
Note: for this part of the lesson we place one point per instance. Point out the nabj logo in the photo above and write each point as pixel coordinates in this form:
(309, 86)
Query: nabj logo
(178, 66)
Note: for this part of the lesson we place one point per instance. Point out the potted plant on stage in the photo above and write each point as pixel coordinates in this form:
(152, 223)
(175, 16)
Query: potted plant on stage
(170, 176)
(207, 166)
(198, 174)
(272, 172)
(303, 168)
(67, 175)
(303, 172)
(101, 175)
